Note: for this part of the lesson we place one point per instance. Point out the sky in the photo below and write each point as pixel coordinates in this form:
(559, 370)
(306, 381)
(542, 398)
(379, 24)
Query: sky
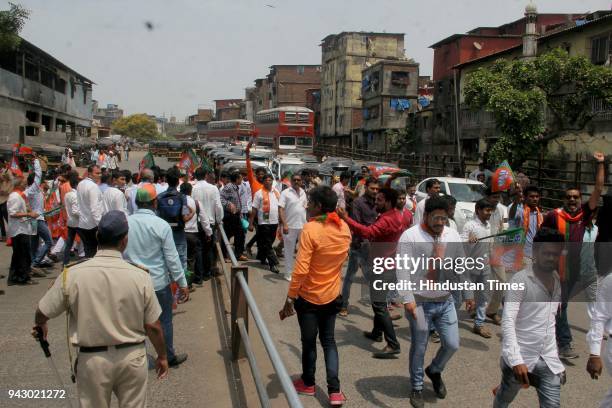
(200, 50)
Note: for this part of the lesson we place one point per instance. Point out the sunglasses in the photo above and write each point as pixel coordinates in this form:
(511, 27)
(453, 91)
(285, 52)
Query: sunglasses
(569, 197)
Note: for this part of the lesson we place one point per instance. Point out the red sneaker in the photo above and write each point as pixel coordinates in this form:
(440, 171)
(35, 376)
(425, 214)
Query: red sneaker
(337, 399)
(303, 389)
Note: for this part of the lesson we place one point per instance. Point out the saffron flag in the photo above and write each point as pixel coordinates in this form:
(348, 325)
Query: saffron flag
(503, 178)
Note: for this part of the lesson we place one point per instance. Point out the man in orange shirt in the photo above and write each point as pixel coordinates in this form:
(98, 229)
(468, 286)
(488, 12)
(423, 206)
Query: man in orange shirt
(315, 289)
(256, 183)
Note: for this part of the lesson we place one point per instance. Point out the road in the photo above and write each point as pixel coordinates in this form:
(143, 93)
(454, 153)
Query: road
(206, 378)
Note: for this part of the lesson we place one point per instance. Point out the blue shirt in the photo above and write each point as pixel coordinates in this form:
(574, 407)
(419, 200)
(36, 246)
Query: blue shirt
(151, 245)
(36, 199)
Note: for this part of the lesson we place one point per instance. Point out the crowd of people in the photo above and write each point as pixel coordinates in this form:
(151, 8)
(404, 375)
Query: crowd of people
(166, 222)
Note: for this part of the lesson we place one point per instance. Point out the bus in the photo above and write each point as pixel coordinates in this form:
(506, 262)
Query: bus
(230, 131)
(288, 128)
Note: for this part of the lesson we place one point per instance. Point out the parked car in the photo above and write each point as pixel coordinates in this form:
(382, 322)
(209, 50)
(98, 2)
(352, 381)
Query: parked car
(282, 165)
(465, 191)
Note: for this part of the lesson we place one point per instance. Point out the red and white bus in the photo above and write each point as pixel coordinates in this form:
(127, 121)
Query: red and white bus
(288, 128)
(230, 131)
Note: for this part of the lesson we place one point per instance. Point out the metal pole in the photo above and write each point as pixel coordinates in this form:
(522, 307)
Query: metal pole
(261, 388)
(292, 397)
(458, 128)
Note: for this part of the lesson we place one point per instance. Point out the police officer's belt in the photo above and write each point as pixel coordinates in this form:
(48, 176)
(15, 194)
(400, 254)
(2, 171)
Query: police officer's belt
(98, 349)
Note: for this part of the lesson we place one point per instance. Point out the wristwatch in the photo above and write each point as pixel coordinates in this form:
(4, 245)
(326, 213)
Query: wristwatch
(290, 300)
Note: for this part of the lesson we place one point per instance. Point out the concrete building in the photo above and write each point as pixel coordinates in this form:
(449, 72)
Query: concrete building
(443, 123)
(589, 36)
(288, 84)
(389, 93)
(41, 99)
(261, 95)
(226, 109)
(344, 56)
(107, 115)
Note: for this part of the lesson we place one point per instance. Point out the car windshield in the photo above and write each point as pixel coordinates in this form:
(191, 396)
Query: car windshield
(288, 168)
(466, 192)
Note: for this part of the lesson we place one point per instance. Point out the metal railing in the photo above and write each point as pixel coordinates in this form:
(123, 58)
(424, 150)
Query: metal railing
(243, 301)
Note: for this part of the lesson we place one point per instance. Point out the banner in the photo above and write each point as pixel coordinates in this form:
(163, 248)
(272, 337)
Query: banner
(146, 163)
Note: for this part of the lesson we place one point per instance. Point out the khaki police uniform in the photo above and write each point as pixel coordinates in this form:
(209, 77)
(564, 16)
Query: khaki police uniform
(109, 301)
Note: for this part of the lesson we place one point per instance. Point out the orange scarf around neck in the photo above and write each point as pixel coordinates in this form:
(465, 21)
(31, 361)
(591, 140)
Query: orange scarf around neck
(266, 199)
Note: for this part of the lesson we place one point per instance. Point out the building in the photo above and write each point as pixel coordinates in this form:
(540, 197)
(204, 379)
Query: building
(588, 36)
(226, 109)
(389, 91)
(313, 102)
(261, 95)
(107, 115)
(461, 48)
(247, 107)
(344, 56)
(41, 99)
(288, 84)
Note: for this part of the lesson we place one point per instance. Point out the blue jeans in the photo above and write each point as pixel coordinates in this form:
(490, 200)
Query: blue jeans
(321, 320)
(357, 257)
(72, 232)
(443, 317)
(481, 297)
(43, 233)
(164, 297)
(549, 390)
(180, 241)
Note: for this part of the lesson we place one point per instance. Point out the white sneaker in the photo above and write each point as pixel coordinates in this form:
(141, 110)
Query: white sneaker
(287, 277)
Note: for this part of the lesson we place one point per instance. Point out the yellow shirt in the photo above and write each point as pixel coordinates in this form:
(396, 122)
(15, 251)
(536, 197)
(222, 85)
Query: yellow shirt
(317, 273)
(110, 301)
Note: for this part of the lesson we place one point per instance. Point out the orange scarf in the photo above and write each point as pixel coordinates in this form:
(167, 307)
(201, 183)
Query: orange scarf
(331, 217)
(563, 221)
(266, 199)
(527, 218)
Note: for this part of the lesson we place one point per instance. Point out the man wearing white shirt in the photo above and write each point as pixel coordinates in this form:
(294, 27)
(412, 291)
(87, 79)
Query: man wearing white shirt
(197, 229)
(209, 199)
(340, 187)
(89, 198)
(265, 207)
(113, 199)
(499, 220)
(292, 211)
(431, 307)
(72, 214)
(478, 246)
(529, 346)
(432, 188)
(601, 325)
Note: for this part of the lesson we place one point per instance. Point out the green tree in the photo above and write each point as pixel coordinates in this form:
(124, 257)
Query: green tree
(138, 126)
(11, 24)
(517, 92)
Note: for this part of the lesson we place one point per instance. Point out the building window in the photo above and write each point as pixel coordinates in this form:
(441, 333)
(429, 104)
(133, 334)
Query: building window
(329, 120)
(425, 122)
(400, 79)
(60, 85)
(300, 70)
(340, 120)
(31, 71)
(600, 49)
(8, 61)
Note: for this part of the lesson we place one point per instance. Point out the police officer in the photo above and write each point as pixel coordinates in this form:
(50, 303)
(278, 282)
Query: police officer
(111, 306)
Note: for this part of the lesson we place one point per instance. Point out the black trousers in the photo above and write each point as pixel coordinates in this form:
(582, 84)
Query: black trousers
(321, 320)
(90, 241)
(232, 226)
(194, 255)
(21, 260)
(266, 234)
(72, 232)
(383, 324)
(209, 253)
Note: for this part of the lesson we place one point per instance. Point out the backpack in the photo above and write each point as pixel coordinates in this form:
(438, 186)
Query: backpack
(170, 208)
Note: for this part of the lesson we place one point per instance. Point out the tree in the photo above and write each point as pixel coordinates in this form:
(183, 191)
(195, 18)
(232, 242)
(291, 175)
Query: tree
(11, 24)
(138, 126)
(518, 92)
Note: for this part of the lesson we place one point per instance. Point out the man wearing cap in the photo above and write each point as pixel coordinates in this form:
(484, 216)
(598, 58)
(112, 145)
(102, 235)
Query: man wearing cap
(151, 245)
(119, 298)
(89, 198)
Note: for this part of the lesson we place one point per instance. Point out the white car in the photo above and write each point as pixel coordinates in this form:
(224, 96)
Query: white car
(465, 191)
(282, 165)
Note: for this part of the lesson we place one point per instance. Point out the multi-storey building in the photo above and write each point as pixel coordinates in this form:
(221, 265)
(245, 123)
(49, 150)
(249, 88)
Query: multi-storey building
(107, 115)
(344, 56)
(389, 93)
(41, 99)
(288, 84)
